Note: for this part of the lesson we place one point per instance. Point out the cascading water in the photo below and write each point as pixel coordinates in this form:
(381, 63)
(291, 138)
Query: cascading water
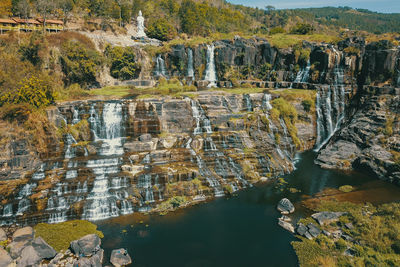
(330, 106)
(202, 122)
(160, 70)
(190, 69)
(211, 75)
(303, 75)
(249, 105)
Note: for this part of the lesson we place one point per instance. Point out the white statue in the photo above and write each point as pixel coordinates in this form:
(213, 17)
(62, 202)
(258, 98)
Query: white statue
(140, 26)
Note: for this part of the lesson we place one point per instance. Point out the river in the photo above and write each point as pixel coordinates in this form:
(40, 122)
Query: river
(240, 230)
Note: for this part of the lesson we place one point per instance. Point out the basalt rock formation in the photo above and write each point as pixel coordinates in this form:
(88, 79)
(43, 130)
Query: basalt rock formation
(111, 158)
(120, 157)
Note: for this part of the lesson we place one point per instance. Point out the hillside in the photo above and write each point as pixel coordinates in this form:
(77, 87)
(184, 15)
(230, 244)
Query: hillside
(166, 19)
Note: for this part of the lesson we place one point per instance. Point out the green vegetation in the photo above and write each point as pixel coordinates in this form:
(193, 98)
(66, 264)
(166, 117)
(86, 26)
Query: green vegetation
(375, 233)
(117, 91)
(60, 235)
(286, 111)
(80, 64)
(302, 28)
(346, 188)
(122, 62)
(171, 204)
(161, 29)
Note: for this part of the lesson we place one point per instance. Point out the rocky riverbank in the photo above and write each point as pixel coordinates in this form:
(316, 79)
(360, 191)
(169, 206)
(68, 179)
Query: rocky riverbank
(26, 247)
(370, 138)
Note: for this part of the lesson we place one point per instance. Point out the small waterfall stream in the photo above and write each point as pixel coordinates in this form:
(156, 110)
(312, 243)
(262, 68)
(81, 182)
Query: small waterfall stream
(190, 69)
(160, 70)
(303, 75)
(211, 75)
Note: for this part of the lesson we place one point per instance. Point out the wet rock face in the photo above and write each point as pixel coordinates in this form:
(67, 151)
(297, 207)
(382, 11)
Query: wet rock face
(370, 141)
(139, 154)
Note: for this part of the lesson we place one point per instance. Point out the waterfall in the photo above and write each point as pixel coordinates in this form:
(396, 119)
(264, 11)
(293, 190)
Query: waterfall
(70, 151)
(160, 67)
(190, 70)
(205, 172)
(202, 122)
(111, 132)
(266, 102)
(101, 204)
(330, 105)
(8, 211)
(249, 105)
(23, 206)
(303, 75)
(211, 75)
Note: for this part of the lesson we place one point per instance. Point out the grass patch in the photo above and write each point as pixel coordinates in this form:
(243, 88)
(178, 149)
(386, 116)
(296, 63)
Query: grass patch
(60, 235)
(117, 91)
(282, 40)
(346, 188)
(376, 230)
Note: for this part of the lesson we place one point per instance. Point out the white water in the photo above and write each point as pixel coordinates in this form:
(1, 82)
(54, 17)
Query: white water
(330, 107)
(211, 75)
(160, 67)
(203, 124)
(249, 105)
(303, 75)
(190, 69)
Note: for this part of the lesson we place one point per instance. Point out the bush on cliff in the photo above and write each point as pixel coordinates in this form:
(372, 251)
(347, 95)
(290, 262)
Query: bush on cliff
(32, 90)
(123, 64)
(80, 64)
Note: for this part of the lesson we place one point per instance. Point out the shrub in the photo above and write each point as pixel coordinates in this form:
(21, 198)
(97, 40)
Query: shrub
(346, 188)
(33, 91)
(123, 62)
(80, 64)
(307, 104)
(162, 30)
(276, 30)
(302, 28)
(15, 112)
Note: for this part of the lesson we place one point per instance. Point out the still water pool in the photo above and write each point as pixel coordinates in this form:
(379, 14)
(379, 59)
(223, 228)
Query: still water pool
(240, 230)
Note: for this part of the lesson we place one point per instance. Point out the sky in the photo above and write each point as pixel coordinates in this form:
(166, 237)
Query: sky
(385, 6)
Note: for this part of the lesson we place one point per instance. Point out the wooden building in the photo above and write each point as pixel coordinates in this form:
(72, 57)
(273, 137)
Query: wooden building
(29, 25)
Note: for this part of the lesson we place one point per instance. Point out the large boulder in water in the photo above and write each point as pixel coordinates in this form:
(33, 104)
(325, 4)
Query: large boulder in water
(86, 246)
(286, 225)
(120, 257)
(285, 206)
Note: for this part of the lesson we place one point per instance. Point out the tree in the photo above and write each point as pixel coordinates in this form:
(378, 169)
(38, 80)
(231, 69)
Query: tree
(161, 29)
(123, 62)
(21, 8)
(44, 8)
(5, 8)
(66, 7)
(269, 8)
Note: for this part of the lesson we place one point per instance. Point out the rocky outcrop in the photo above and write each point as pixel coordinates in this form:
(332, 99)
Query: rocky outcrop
(285, 206)
(327, 217)
(119, 157)
(370, 139)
